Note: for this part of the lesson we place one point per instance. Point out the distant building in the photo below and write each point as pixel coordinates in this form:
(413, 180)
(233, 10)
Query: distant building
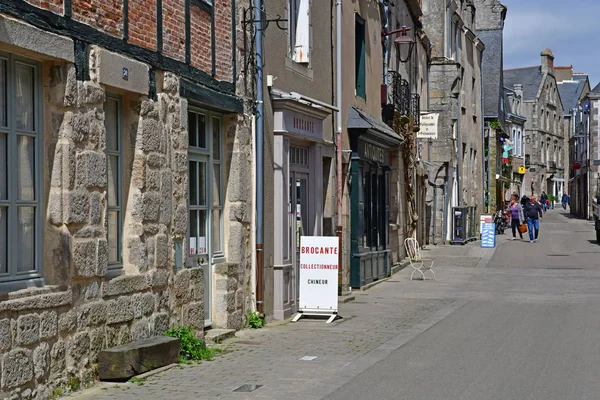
(589, 152)
(455, 93)
(497, 173)
(544, 128)
(514, 122)
(574, 88)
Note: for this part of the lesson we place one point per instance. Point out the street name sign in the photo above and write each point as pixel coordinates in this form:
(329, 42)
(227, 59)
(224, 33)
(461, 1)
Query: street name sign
(318, 277)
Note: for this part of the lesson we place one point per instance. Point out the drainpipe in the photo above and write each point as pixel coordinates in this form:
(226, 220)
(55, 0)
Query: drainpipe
(259, 158)
(482, 116)
(384, 6)
(458, 140)
(339, 160)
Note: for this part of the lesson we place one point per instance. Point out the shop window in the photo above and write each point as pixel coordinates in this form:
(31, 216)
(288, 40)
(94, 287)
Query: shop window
(299, 156)
(205, 185)
(20, 150)
(359, 57)
(375, 211)
(299, 30)
(114, 196)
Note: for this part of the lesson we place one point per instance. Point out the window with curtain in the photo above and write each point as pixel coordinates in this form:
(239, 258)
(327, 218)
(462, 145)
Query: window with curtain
(20, 133)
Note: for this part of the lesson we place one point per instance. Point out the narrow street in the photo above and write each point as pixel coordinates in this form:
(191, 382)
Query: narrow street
(519, 322)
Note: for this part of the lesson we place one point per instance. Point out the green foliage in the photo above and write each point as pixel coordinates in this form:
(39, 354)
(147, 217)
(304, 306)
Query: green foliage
(552, 198)
(192, 348)
(254, 320)
(139, 381)
(495, 124)
(74, 384)
(56, 393)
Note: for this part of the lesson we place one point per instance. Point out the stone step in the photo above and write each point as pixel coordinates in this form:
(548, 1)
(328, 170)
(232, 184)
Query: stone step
(123, 362)
(218, 335)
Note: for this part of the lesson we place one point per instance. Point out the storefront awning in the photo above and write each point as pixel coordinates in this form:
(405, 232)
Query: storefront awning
(558, 179)
(358, 119)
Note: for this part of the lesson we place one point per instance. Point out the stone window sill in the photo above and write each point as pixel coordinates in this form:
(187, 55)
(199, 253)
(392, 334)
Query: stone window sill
(18, 289)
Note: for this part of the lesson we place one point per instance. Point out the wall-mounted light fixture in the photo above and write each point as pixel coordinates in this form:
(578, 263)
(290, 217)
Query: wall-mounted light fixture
(403, 43)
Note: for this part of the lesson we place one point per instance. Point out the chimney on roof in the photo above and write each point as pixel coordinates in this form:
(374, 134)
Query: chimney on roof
(518, 88)
(547, 62)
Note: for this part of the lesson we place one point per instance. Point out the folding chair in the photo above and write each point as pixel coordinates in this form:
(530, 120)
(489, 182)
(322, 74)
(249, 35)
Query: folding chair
(419, 264)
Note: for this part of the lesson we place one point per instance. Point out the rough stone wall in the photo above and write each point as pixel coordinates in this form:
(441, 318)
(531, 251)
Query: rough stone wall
(51, 336)
(444, 82)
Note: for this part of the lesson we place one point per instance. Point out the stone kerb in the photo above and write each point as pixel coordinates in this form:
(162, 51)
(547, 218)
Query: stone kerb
(228, 306)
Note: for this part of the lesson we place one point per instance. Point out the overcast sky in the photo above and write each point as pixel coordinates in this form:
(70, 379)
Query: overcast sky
(568, 27)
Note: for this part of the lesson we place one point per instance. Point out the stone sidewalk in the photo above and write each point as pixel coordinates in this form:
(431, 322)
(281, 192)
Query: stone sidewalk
(375, 323)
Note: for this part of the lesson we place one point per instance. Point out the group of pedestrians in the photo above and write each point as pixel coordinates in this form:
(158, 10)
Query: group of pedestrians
(527, 210)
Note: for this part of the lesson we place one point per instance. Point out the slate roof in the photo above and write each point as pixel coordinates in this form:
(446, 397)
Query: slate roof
(570, 91)
(529, 77)
(596, 90)
(492, 66)
(358, 119)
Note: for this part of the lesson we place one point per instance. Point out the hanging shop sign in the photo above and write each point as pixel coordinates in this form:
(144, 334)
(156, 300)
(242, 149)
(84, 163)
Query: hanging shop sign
(429, 126)
(318, 276)
(522, 169)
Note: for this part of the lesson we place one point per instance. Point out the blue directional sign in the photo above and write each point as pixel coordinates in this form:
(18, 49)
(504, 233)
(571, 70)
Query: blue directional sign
(488, 235)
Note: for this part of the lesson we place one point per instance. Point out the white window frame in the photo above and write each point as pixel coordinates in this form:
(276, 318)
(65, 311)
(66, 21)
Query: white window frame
(299, 30)
(118, 264)
(11, 279)
(207, 156)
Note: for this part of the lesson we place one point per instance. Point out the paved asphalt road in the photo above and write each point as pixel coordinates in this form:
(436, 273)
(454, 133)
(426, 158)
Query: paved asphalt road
(525, 326)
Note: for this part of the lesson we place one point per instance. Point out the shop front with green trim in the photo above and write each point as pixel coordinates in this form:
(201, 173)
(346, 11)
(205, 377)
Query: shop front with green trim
(371, 142)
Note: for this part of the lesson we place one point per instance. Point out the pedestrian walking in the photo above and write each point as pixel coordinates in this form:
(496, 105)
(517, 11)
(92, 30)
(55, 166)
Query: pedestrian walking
(533, 213)
(516, 216)
(544, 200)
(565, 199)
(524, 201)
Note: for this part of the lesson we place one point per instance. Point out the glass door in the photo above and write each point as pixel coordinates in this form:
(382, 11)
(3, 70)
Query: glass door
(299, 195)
(198, 225)
(205, 193)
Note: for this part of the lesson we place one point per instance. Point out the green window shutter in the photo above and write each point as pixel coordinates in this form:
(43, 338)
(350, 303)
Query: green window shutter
(359, 38)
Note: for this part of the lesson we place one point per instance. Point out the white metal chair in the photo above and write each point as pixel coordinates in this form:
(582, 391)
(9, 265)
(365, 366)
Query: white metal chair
(419, 264)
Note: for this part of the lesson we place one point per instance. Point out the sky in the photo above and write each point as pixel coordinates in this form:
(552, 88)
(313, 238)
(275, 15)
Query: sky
(568, 27)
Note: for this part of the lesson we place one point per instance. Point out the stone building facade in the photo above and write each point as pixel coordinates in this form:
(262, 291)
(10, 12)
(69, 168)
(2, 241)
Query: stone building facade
(515, 128)
(128, 210)
(544, 128)
(408, 209)
(300, 187)
(497, 175)
(590, 170)
(573, 89)
(455, 93)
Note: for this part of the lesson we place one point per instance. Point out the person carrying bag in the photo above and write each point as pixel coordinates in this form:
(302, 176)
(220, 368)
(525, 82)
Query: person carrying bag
(516, 217)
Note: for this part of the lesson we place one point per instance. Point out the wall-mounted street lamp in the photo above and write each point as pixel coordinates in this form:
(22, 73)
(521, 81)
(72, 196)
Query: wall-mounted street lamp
(527, 139)
(402, 42)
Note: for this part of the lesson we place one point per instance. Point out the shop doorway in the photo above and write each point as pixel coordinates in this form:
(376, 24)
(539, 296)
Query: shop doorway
(299, 224)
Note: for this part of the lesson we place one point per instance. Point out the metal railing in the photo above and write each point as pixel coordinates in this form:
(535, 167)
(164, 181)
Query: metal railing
(415, 108)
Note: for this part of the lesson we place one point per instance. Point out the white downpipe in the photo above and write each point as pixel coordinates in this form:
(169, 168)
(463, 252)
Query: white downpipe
(253, 237)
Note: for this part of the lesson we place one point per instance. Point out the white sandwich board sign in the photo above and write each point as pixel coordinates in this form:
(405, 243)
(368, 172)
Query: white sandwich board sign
(318, 277)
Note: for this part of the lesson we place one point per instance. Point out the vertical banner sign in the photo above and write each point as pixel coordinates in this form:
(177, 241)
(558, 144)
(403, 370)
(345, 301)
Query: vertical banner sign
(318, 276)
